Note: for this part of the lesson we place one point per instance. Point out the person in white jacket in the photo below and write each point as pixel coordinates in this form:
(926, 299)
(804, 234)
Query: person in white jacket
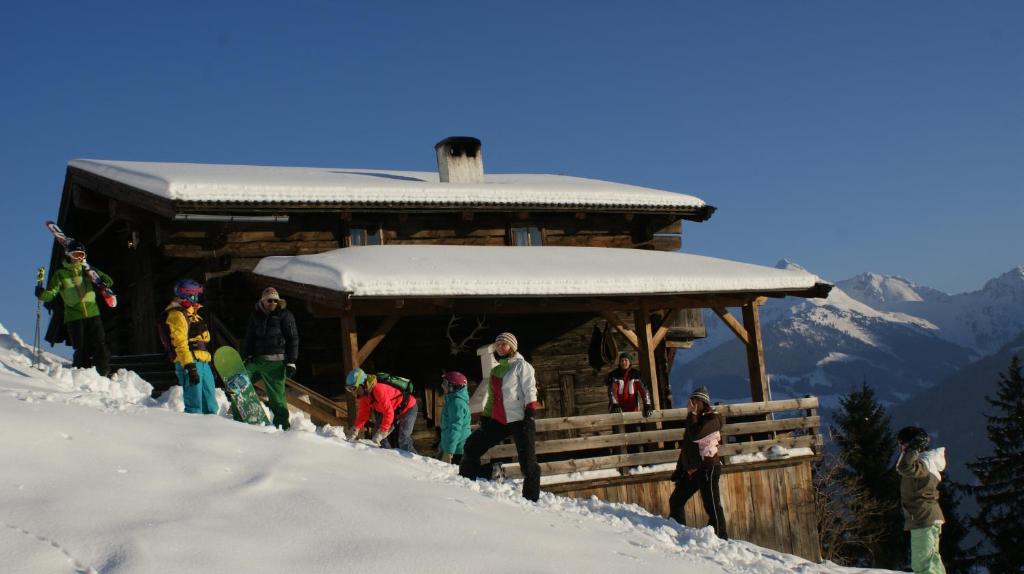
(508, 410)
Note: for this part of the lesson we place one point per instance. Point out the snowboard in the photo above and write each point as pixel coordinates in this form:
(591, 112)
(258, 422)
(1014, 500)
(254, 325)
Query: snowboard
(105, 292)
(245, 405)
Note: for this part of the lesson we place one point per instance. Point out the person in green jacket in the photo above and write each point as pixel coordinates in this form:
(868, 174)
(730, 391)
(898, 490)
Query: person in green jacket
(81, 313)
(920, 472)
(454, 416)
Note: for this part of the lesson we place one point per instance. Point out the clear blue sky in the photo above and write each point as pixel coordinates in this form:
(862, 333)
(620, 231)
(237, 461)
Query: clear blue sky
(845, 136)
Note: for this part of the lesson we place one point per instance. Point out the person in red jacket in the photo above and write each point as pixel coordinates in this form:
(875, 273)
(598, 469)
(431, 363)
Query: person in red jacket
(397, 409)
(626, 390)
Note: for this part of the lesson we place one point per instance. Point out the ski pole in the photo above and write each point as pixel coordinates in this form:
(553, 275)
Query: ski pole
(40, 274)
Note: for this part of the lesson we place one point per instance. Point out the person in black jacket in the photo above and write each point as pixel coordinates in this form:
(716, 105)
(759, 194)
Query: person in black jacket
(271, 349)
(699, 467)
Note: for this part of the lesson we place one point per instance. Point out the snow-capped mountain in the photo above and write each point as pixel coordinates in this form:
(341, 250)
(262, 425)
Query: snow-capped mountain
(899, 337)
(982, 320)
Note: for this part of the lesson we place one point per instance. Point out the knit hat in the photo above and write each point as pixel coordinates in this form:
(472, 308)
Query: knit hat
(913, 438)
(508, 338)
(626, 355)
(269, 293)
(355, 378)
(702, 394)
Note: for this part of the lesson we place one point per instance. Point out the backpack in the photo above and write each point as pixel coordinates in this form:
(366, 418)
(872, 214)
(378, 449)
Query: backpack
(165, 332)
(401, 383)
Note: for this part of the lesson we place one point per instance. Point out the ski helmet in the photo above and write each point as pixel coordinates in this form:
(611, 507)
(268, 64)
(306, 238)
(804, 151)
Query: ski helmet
(188, 290)
(454, 378)
(355, 378)
(913, 438)
(73, 246)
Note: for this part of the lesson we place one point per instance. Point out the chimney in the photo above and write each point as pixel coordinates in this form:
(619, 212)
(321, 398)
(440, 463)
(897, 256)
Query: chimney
(460, 160)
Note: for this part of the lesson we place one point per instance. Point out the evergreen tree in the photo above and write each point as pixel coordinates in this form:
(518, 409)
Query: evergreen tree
(1000, 492)
(867, 446)
(955, 557)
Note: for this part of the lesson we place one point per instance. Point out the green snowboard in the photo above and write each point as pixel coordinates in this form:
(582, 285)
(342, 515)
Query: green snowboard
(245, 405)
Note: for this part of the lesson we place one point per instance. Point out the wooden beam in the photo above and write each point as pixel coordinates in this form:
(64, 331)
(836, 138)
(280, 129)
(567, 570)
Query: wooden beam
(645, 352)
(666, 322)
(732, 323)
(759, 390)
(382, 330)
(621, 328)
(349, 357)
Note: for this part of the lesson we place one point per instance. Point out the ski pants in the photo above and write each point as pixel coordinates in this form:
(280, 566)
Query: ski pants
(90, 343)
(924, 550)
(200, 397)
(706, 481)
(492, 432)
(404, 425)
(272, 373)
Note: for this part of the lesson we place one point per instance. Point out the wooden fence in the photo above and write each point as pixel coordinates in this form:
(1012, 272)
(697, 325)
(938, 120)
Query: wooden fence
(750, 428)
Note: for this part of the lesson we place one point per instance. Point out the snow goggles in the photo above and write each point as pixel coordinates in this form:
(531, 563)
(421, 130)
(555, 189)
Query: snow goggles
(76, 255)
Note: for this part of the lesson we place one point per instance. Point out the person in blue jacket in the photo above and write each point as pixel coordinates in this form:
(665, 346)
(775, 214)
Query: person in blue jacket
(454, 415)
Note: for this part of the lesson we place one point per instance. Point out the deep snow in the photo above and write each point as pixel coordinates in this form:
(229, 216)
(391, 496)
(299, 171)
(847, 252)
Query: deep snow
(98, 477)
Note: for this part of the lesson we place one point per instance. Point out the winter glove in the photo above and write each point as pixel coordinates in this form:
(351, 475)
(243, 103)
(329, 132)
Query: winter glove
(615, 409)
(39, 291)
(377, 438)
(289, 370)
(648, 409)
(193, 374)
(528, 414)
(447, 457)
(354, 435)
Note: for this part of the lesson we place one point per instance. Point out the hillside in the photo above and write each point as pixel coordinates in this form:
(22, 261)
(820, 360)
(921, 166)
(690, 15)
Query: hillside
(99, 478)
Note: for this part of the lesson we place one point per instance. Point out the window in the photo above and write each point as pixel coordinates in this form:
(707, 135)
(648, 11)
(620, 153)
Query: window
(526, 236)
(358, 236)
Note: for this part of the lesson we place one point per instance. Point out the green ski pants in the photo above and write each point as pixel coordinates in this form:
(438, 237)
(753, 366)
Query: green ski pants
(924, 550)
(272, 373)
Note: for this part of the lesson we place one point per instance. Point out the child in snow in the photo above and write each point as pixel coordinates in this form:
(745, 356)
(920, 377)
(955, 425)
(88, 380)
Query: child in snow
(81, 313)
(699, 467)
(508, 410)
(454, 415)
(190, 339)
(920, 472)
(393, 405)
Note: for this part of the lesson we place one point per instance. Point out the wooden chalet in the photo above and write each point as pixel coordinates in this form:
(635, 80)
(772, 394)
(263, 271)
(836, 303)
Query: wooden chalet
(412, 272)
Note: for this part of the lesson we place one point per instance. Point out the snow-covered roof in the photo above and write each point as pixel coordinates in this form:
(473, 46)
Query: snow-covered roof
(214, 183)
(470, 271)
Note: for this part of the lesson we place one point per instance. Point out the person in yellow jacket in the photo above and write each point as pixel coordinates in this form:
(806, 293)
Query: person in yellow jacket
(189, 340)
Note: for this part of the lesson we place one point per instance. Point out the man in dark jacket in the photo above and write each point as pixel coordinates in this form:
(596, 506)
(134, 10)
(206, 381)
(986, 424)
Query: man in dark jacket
(699, 467)
(920, 471)
(271, 349)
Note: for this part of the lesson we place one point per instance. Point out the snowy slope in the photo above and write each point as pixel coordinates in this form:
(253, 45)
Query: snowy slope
(99, 478)
(824, 348)
(983, 320)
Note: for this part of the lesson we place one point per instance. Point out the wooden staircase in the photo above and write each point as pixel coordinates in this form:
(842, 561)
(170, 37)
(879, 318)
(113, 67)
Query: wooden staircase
(153, 367)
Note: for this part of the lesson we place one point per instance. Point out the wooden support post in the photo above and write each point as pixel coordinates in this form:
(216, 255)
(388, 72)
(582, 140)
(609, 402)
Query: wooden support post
(621, 328)
(349, 357)
(642, 323)
(759, 391)
(666, 323)
(382, 330)
(732, 323)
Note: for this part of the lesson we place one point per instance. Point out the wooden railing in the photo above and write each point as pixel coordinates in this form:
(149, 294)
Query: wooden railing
(321, 410)
(799, 428)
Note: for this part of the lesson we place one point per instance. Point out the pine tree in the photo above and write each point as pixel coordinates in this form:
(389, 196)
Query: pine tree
(955, 557)
(1000, 493)
(867, 446)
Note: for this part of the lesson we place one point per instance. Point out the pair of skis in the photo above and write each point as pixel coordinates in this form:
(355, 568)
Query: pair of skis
(105, 292)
